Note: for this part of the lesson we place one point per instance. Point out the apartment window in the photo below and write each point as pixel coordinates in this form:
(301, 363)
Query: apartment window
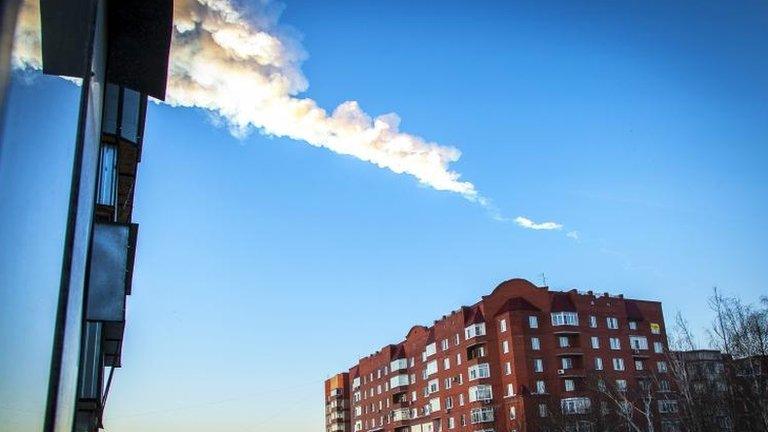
(413, 378)
(577, 405)
(563, 341)
(661, 366)
(663, 385)
(480, 393)
(667, 406)
(449, 402)
(598, 363)
(481, 415)
(565, 319)
(612, 322)
(458, 359)
(535, 344)
(633, 325)
(433, 386)
(512, 413)
(510, 390)
(566, 362)
(431, 367)
(655, 328)
(541, 388)
(618, 364)
(621, 384)
(430, 350)
(461, 379)
(412, 362)
(447, 383)
(378, 389)
(593, 321)
(638, 365)
(474, 330)
(615, 343)
(595, 342)
(477, 371)
(542, 410)
(658, 347)
(107, 187)
(533, 321)
(398, 380)
(451, 423)
(507, 368)
(569, 385)
(444, 344)
(447, 363)
(461, 399)
(505, 347)
(538, 365)
(638, 342)
(503, 325)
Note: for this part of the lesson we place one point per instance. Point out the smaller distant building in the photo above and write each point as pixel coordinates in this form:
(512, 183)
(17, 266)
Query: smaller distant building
(337, 417)
(702, 374)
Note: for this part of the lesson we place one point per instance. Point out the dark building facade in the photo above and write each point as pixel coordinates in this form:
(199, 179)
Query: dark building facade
(119, 50)
(516, 360)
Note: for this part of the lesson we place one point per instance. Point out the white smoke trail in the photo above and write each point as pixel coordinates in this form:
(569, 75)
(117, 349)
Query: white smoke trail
(247, 70)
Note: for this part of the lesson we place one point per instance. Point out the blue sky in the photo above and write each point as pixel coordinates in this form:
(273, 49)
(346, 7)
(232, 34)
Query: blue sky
(266, 264)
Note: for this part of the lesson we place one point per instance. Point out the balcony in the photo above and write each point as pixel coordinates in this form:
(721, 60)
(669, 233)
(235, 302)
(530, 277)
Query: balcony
(109, 282)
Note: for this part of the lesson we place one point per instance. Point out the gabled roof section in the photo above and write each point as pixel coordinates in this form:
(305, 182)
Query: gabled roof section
(561, 302)
(633, 311)
(430, 335)
(517, 304)
(473, 315)
(397, 352)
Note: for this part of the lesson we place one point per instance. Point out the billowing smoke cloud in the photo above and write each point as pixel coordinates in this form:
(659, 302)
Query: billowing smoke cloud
(246, 69)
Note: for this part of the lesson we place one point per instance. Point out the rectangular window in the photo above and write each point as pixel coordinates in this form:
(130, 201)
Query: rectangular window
(598, 363)
(480, 393)
(566, 362)
(661, 366)
(655, 328)
(430, 350)
(535, 344)
(447, 383)
(431, 367)
(512, 413)
(503, 326)
(447, 363)
(541, 388)
(618, 364)
(129, 126)
(638, 342)
(457, 339)
(458, 358)
(538, 365)
(569, 385)
(613, 323)
(667, 406)
(577, 405)
(621, 385)
(107, 187)
(615, 343)
(593, 321)
(565, 319)
(507, 368)
(542, 410)
(433, 386)
(398, 364)
(444, 344)
(633, 325)
(533, 321)
(449, 402)
(398, 380)
(505, 347)
(478, 371)
(451, 423)
(563, 342)
(510, 390)
(595, 342)
(658, 347)
(474, 330)
(481, 415)
(639, 365)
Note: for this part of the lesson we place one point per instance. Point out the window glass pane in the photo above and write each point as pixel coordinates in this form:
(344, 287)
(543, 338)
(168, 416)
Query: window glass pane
(107, 175)
(130, 121)
(109, 119)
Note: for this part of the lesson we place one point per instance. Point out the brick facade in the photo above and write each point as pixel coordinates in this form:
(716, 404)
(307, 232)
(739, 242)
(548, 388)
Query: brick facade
(438, 378)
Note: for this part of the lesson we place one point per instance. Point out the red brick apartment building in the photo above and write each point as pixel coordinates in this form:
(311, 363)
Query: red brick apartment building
(515, 360)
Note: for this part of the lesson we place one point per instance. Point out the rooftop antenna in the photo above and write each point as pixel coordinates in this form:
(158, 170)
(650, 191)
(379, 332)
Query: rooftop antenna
(543, 280)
